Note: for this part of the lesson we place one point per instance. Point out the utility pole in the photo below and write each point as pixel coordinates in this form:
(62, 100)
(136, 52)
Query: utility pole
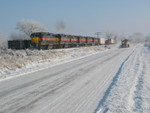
(98, 34)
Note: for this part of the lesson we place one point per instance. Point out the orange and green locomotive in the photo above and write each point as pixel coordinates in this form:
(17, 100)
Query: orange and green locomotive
(46, 40)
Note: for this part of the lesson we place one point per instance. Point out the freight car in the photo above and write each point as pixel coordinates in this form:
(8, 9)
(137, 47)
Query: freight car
(102, 41)
(19, 44)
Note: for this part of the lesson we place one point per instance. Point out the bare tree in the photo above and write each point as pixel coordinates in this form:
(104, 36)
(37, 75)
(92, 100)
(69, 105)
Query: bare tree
(30, 26)
(112, 35)
(60, 26)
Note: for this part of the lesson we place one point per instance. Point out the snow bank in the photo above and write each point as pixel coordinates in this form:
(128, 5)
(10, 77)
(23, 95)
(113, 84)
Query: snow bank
(17, 59)
(13, 61)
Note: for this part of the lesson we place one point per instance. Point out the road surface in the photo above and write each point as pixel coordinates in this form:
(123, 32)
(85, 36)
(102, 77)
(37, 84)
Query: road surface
(74, 87)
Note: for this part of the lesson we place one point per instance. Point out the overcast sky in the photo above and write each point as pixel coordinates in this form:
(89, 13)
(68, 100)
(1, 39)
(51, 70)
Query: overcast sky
(83, 17)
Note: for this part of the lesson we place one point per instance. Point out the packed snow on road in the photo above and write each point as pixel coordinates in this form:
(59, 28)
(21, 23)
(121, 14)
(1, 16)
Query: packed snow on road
(76, 80)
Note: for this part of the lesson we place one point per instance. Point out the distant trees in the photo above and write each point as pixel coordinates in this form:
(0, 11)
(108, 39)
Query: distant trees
(110, 34)
(27, 27)
(137, 37)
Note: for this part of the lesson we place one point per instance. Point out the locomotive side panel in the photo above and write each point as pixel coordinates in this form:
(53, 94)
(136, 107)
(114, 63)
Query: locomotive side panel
(44, 40)
(82, 41)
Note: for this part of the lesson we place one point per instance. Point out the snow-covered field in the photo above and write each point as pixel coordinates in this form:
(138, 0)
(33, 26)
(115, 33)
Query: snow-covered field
(79, 80)
(14, 62)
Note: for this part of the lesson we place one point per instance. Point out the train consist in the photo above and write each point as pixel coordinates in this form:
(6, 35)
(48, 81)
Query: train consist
(46, 40)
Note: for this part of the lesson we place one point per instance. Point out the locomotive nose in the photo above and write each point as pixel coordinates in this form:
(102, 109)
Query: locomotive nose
(35, 40)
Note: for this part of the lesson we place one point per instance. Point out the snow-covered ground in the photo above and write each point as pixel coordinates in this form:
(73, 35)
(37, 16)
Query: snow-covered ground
(15, 62)
(129, 91)
(79, 80)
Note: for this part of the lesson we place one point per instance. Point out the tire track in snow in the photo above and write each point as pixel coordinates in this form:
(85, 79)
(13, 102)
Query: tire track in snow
(138, 100)
(48, 77)
(82, 102)
(139, 87)
(102, 108)
(139, 91)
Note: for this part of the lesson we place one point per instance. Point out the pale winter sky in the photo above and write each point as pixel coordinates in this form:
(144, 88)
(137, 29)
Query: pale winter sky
(84, 17)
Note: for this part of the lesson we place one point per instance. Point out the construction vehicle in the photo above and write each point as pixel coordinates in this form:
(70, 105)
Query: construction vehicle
(125, 43)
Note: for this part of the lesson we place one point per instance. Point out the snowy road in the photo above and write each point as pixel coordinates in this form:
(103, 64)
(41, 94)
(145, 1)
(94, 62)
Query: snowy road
(80, 86)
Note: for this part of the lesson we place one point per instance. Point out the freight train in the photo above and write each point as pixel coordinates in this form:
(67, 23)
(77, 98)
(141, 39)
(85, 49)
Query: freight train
(46, 40)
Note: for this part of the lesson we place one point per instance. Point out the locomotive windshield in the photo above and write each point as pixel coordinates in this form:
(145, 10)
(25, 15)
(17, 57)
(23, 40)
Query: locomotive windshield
(36, 35)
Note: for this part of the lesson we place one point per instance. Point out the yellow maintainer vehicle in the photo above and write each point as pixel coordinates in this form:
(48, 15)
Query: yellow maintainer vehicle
(125, 43)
